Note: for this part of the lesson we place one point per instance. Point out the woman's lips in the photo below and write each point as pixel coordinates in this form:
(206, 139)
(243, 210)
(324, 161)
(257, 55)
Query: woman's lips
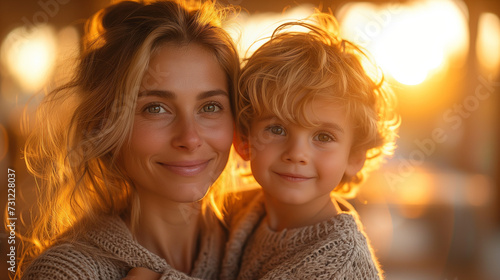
(186, 168)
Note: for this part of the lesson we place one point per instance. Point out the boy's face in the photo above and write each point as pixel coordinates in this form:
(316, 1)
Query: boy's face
(299, 165)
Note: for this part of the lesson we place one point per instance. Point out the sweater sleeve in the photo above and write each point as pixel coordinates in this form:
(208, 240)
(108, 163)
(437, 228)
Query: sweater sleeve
(62, 262)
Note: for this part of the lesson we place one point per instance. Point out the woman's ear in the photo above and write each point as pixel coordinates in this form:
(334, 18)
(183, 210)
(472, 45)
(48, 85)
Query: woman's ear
(355, 162)
(241, 146)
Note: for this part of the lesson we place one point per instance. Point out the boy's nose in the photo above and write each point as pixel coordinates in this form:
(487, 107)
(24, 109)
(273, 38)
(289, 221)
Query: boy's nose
(186, 135)
(295, 152)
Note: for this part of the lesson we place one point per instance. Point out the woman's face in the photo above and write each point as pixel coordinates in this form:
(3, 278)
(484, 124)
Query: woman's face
(183, 126)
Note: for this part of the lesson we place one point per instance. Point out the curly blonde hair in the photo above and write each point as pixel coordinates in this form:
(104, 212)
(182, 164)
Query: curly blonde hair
(295, 67)
(81, 126)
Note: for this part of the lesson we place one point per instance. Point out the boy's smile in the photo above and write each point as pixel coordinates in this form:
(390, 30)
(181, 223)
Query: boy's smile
(293, 177)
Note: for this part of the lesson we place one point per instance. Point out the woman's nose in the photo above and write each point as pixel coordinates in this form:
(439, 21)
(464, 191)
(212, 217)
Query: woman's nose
(186, 135)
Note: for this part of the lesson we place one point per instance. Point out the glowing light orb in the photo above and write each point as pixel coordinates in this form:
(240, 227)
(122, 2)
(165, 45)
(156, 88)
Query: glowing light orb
(409, 41)
(29, 55)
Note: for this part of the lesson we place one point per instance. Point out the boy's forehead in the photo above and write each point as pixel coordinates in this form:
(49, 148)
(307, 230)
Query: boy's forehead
(289, 106)
(318, 112)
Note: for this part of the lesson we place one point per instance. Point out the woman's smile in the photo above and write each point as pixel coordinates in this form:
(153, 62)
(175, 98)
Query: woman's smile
(186, 168)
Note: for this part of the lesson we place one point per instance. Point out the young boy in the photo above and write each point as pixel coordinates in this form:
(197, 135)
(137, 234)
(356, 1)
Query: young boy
(311, 122)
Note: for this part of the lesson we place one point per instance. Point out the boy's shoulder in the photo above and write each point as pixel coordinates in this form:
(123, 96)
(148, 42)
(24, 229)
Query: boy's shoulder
(341, 251)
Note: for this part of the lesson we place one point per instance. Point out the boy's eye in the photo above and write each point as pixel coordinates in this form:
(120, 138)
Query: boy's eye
(155, 109)
(278, 130)
(211, 108)
(324, 137)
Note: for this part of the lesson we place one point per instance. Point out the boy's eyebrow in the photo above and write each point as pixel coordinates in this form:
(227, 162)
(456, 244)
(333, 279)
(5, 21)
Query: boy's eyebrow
(267, 118)
(170, 95)
(333, 126)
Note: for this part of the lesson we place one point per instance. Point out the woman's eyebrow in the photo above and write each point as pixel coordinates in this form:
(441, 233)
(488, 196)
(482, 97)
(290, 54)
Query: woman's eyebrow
(211, 93)
(158, 93)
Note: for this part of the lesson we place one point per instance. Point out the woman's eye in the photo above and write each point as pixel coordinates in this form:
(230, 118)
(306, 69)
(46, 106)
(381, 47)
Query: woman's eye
(211, 108)
(155, 109)
(278, 130)
(323, 137)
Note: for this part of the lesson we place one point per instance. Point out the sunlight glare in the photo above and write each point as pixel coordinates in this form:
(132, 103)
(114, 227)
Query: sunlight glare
(252, 31)
(409, 41)
(488, 42)
(29, 55)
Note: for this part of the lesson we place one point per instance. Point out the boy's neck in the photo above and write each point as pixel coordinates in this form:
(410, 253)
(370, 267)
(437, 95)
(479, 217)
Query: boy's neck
(282, 215)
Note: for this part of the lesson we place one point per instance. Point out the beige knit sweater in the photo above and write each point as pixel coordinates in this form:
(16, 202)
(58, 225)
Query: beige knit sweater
(332, 249)
(108, 251)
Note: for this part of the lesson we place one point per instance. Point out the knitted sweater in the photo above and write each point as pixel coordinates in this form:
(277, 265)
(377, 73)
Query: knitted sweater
(332, 249)
(108, 251)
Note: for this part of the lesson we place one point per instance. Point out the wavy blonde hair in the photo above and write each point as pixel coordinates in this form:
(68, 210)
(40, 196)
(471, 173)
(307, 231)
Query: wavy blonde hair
(81, 126)
(294, 68)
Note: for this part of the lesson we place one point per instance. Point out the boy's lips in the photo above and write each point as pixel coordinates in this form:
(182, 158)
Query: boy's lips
(292, 177)
(186, 168)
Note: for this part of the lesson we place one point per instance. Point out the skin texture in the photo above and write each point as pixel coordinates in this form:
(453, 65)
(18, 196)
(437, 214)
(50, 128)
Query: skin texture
(298, 166)
(182, 134)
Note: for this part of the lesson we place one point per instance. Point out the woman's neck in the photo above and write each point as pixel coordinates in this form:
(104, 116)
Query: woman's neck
(281, 215)
(171, 231)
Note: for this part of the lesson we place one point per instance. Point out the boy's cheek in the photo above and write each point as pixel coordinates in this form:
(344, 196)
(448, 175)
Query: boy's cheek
(261, 141)
(256, 149)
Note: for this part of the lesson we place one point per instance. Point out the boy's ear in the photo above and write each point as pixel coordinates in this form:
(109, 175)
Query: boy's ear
(355, 162)
(241, 146)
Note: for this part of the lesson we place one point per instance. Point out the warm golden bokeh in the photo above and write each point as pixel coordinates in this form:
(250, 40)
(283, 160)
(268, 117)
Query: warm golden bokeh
(488, 42)
(29, 55)
(431, 212)
(409, 41)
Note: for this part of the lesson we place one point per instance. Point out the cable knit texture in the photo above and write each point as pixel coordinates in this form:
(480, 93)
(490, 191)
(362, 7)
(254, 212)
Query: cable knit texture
(332, 249)
(108, 251)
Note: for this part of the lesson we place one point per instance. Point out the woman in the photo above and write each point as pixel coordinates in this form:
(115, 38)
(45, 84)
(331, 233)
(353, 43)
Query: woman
(127, 152)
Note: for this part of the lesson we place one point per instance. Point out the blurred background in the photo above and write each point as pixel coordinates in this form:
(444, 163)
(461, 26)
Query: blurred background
(431, 212)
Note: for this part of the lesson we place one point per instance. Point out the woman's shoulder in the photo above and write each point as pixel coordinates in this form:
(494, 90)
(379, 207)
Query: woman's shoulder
(63, 261)
(92, 250)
